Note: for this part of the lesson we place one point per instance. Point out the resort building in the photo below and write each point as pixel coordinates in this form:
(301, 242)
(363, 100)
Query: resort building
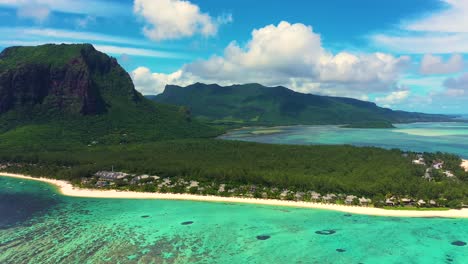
(389, 202)
(349, 199)
(364, 201)
(438, 165)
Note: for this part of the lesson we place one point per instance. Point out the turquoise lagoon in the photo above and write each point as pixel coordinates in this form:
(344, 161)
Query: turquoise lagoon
(38, 225)
(420, 137)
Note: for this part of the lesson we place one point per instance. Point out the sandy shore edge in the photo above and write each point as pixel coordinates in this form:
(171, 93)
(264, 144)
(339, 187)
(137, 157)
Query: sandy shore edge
(67, 189)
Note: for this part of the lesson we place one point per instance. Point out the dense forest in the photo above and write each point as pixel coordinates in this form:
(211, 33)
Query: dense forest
(370, 172)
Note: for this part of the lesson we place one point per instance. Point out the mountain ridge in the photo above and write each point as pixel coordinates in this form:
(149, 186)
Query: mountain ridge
(258, 104)
(85, 93)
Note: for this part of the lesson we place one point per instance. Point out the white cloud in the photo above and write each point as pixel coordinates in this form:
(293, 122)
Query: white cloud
(54, 34)
(136, 51)
(453, 19)
(174, 19)
(154, 83)
(105, 43)
(393, 98)
(33, 10)
(456, 87)
(85, 21)
(441, 43)
(442, 31)
(431, 64)
(292, 55)
(109, 49)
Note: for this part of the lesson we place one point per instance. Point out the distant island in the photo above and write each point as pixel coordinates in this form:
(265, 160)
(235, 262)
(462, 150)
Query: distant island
(375, 124)
(72, 113)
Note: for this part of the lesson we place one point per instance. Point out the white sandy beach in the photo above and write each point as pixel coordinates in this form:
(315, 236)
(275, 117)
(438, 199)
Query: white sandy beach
(67, 189)
(465, 164)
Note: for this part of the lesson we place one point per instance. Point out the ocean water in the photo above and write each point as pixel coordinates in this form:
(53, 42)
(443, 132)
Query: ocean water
(38, 225)
(420, 137)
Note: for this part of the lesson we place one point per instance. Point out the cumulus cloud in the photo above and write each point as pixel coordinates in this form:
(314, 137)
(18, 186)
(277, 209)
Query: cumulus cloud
(174, 19)
(442, 31)
(393, 98)
(431, 64)
(154, 83)
(292, 55)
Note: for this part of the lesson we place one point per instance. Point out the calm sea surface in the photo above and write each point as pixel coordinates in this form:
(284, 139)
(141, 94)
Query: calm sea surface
(37, 225)
(421, 137)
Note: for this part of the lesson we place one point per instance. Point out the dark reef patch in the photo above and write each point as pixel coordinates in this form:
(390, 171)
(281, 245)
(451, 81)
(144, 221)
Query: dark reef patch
(18, 208)
(326, 232)
(459, 243)
(348, 215)
(340, 250)
(263, 237)
(187, 223)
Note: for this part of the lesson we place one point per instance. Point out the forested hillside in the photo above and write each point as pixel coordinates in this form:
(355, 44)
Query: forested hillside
(76, 94)
(254, 104)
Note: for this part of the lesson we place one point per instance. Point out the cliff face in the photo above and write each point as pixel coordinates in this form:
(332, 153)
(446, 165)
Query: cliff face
(68, 86)
(62, 95)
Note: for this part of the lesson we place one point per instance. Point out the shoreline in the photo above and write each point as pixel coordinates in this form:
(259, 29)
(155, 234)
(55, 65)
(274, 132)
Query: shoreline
(67, 189)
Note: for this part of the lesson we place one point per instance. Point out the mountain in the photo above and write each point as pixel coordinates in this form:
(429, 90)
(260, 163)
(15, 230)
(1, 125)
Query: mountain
(75, 93)
(257, 104)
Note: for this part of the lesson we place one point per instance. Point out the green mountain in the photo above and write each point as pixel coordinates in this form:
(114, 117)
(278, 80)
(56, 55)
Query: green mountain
(59, 94)
(257, 104)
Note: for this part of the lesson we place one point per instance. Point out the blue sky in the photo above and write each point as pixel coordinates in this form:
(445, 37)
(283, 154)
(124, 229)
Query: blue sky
(403, 54)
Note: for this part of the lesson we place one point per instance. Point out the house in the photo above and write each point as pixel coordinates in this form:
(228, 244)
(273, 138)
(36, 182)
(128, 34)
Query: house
(143, 177)
(111, 175)
(419, 161)
(299, 195)
(329, 197)
(438, 164)
(349, 199)
(284, 193)
(101, 184)
(432, 203)
(222, 188)
(85, 180)
(449, 174)
(421, 202)
(406, 201)
(390, 202)
(315, 196)
(364, 201)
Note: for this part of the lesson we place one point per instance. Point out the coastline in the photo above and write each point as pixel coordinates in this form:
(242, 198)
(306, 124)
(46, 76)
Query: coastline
(67, 189)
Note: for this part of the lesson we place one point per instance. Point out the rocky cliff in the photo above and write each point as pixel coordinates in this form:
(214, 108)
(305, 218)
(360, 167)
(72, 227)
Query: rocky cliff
(69, 85)
(74, 93)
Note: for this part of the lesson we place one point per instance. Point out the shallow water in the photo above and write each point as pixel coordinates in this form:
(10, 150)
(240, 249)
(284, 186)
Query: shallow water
(420, 137)
(83, 230)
